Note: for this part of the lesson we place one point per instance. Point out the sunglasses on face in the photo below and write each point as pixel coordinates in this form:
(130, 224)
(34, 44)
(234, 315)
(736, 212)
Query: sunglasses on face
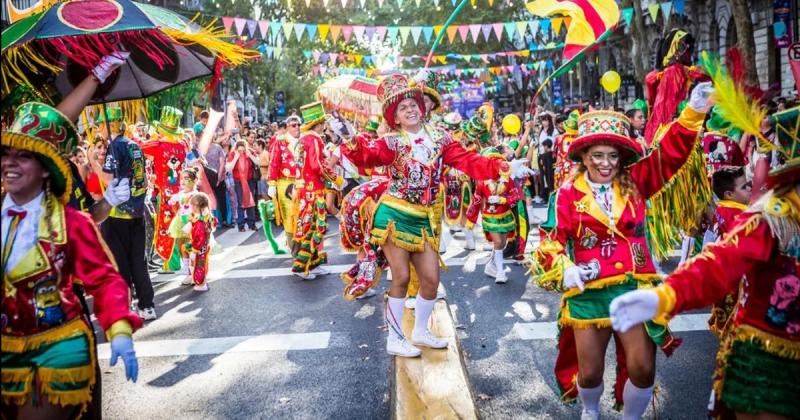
(294, 125)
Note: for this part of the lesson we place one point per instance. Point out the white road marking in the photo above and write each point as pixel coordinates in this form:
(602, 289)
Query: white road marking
(226, 345)
(549, 330)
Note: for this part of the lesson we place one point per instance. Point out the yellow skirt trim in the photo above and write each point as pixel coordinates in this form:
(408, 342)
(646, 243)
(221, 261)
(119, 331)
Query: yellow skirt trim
(17, 344)
(647, 279)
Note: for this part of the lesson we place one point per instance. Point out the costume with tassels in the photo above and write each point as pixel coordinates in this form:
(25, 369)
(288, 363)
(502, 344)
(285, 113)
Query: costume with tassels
(48, 348)
(759, 358)
(496, 215)
(406, 211)
(309, 205)
(564, 164)
(669, 84)
(168, 154)
(283, 171)
(601, 227)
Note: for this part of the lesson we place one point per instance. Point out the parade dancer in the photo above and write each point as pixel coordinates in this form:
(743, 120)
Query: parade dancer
(406, 224)
(179, 202)
(168, 155)
(199, 227)
(601, 212)
(310, 209)
(493, 201)
(283, 171)
(48, 348)
(563, 165)
(759, 358)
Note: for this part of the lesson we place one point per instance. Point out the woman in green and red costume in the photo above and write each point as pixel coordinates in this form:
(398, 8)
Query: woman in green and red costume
(596, 249)
(406, 223)
(759, 358)
(168, 154)
(48, 348)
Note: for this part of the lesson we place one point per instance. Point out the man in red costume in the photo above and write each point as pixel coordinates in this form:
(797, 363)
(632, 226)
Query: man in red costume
(168, 155)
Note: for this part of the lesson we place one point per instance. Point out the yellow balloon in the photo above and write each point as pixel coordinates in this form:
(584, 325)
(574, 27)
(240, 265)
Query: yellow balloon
(511, 124)
(610, 81)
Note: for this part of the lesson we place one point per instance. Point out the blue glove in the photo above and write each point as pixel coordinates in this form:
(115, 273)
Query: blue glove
(122, 346)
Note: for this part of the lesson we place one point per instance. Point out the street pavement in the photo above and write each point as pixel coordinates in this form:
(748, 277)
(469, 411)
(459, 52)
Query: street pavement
(264, 344)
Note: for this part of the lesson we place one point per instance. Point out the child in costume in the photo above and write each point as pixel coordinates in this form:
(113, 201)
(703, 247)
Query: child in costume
(733, 191)
(182, 211)
(759, 358)
(596, 248)
(48, 348)
(493, 201)
(406, 222)
(199, 228)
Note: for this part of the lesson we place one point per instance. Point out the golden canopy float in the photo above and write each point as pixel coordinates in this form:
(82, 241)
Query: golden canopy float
(353, 97)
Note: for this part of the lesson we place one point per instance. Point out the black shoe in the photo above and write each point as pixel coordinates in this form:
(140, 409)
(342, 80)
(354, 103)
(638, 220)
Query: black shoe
(241, 229)
(253, 227)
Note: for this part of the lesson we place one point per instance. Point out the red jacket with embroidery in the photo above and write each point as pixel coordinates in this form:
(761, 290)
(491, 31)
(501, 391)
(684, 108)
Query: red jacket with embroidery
(314, 170)
(580, 219)
(725, 215)
(40, 295)
(487, 188)
(282, 162)
(414, 181)
(168, 158)
(770, 291)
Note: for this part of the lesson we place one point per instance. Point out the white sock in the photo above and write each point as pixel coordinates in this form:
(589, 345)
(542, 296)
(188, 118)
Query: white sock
(444, 238)
(636, 400)
(422, 313)
(498, 260)
(469, 236)
(394, 316)
(590, 397)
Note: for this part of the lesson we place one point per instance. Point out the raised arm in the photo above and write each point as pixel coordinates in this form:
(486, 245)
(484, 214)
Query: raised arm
(473, 164)
(366, 153)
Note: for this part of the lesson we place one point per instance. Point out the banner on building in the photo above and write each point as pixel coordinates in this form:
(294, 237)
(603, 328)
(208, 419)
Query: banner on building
(782, 26)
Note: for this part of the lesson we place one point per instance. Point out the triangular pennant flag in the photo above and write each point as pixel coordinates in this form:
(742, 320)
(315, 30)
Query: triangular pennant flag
(392, 33)
(240, 24)
(498, 31)
(380, 3)
(308, 3)
(428, 32)
(486, 30)
(299, 29)
(312, 31)
(369, 31)
(278, 52)
(415, 33)
(557, 21)
(263, 27)
(510, 29)
(522, 27)
(533, 26)
(316, 55)
(451, 33)
(307, 54)
(627, 15)
(653, 9)
(399, 3)
(344, 4)
(665, 8)
(227, 21)
(416, 1)
(474, 31)
(347, 31)
(436, 3)
(287, 29)
(544, 26)
(251, 28)
(404, 32)
(463, 31)
(316, 70)
(335, 30)
(453, 2)
(269, 51)
(485, 58)
(275, 28)
(323, 31)
(358, 30)
(333, 58)
(325, 3)
(380, 33)
(678, 6)
(466, 58)
(323, 58)
(567, 20)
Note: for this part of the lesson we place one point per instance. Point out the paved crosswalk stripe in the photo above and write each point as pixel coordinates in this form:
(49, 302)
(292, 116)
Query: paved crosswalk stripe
(227, 345)
(549, 330)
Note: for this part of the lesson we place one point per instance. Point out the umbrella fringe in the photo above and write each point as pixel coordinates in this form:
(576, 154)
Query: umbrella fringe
(211, 37)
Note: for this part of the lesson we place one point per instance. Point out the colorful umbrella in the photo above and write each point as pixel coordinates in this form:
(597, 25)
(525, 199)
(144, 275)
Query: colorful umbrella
(63, 43)
(352, 95)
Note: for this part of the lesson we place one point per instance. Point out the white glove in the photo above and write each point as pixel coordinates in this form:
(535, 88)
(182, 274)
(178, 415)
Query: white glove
(271, 191)
(633, 308)
(575, 276)
(421, 77)
(341, 127)
(118, 192)
(698, 99)
(108, 64)
(187, 228)
(493, 199)
(520, 168)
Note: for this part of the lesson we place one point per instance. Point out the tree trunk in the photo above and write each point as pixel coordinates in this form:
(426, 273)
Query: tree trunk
(641, 48)
(747, 42)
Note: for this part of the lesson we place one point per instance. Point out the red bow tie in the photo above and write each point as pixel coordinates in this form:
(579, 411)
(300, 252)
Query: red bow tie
(17, 213)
